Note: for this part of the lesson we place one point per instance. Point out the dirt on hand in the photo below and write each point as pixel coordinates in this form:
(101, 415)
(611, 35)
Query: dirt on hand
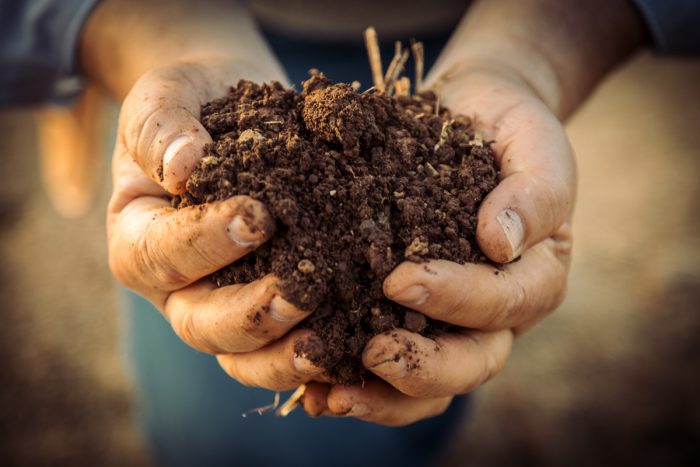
(355, 183)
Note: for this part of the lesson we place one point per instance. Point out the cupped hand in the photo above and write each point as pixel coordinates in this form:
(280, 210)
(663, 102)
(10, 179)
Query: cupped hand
(165, 254)
(524, 224)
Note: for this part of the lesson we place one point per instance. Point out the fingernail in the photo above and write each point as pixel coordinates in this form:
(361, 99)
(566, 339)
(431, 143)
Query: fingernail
(304, 365)
(241, 233)
(358, 410)
(283, 311)
(413, 295)
(514, 229)
(174, 147)
(394, 368)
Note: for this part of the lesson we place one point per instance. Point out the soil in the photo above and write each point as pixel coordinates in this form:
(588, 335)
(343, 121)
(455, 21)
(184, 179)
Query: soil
(355, 183)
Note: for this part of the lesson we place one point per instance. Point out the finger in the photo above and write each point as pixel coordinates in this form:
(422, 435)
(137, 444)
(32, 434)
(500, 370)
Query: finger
(373, 401)
(314, 400)
(537, 188)
(160, 125)
(154, 246)
(483, 296)
(452, 363)
(236, 318)
(276, 367)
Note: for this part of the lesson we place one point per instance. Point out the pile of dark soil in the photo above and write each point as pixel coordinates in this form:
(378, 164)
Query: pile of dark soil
(356, 183)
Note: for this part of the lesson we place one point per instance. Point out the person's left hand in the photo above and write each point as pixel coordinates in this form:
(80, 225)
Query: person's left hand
(523, 224)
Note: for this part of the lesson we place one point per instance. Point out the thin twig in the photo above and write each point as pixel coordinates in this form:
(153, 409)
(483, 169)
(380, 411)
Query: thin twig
(393, 63)
(419, 59)
(375, 58)
(403, 86)
(264, 408)
(291, 403)
(443, 135)
(398, 68)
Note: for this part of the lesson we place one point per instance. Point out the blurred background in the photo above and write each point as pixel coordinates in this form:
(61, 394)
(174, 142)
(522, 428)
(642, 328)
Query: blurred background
(612, 378)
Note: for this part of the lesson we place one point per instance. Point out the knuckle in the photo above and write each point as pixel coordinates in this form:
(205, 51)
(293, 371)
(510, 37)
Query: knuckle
(516, 303)
(252, 335)
(415, 383)
(208, 253)
(455, 311)
(152, 261)
(184, 327)
(510, 308)
(422, 380)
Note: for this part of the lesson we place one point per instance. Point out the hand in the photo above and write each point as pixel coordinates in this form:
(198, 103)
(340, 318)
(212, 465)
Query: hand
(527, 217)
(165, 254)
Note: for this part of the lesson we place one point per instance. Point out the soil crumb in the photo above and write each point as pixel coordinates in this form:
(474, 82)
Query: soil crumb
(355, 183)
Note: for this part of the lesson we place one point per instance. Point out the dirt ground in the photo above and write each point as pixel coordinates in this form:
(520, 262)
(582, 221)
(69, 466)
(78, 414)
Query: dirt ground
(611, 378)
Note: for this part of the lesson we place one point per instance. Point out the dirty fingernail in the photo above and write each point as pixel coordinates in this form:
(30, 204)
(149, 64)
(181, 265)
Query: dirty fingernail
(358, 410)
(513, 227)
(304, 365)
(174, 147)
(283, 311)
(240, 232)
(394, 368)
(413, 295)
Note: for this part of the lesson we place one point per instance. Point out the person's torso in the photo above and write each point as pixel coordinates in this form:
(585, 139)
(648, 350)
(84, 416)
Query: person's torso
(346, 21)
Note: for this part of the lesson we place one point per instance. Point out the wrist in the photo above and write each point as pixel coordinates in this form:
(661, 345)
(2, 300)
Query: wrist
(522, 67)
(163, 34)
(560, 48)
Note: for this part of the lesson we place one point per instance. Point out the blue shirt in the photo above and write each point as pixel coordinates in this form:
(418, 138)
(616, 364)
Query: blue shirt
(38, 50)
(674, 25)
(39, 38)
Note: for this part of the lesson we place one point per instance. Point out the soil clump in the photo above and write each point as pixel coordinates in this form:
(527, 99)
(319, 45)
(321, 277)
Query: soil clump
(355, 183)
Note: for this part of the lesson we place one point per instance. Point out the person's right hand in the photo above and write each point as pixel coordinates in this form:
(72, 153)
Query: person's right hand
(165, 254)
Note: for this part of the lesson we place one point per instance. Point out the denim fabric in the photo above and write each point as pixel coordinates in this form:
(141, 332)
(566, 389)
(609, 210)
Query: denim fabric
(673, 24)
(38, 48)
(38, 44)
(190, 415)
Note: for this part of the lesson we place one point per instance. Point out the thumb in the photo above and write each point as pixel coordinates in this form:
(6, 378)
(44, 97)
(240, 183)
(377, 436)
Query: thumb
(159, 123)
(537, 189)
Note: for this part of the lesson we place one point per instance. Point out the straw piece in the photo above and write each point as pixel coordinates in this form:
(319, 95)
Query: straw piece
(397, 68)
(403, 87)
(264, 408)
(419, 59)
(291, 403)
(375, 58)
(393, 63)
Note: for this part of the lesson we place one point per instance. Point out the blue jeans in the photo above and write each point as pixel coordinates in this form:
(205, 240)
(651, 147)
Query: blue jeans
(190, 410)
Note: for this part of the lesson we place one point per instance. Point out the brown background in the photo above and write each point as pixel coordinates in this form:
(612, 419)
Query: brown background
(612, 378)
